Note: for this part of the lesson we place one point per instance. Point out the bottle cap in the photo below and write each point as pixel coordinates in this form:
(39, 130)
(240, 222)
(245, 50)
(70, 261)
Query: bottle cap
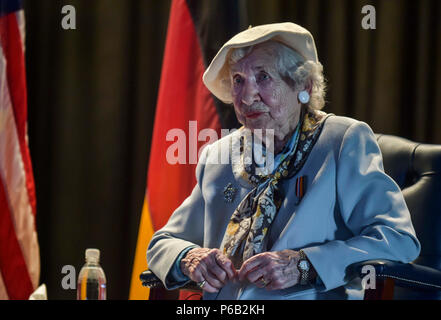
(92, 255)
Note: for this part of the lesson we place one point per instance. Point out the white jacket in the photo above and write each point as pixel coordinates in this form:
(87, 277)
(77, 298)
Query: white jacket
(351, 212)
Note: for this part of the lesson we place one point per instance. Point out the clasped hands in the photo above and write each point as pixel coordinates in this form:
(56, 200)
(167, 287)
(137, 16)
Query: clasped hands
(271, 270)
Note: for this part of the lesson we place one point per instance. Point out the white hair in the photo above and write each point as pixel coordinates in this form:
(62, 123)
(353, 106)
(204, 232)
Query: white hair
(292, 68)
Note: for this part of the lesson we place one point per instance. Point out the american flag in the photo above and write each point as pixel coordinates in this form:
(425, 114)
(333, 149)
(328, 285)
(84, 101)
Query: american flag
(19, 250)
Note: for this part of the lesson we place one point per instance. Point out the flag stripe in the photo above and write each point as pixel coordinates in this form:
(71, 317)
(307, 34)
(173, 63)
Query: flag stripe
(137, 291)
(12, 265)
(11, 43)
(223, 13)
(207, 18)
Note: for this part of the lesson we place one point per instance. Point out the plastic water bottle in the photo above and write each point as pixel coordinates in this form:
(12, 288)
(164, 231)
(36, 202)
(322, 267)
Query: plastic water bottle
(92, 280)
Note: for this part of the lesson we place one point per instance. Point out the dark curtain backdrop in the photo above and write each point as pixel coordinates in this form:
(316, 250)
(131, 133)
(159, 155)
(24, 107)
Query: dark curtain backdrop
(92, 95)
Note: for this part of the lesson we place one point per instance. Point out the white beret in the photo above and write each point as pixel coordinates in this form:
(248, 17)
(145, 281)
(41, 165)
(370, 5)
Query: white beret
(288, 33)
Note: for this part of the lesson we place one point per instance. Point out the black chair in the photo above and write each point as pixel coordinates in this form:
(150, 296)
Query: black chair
(417, 170)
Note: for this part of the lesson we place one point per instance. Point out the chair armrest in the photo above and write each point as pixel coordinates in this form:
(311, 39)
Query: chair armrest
(149, 279)
(407, 275)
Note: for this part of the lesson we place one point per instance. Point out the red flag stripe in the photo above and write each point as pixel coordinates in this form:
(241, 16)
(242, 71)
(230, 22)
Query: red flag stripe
(11, 42)
(12, 265)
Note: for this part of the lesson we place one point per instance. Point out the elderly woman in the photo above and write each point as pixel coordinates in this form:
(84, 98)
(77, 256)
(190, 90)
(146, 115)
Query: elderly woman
(287, 230)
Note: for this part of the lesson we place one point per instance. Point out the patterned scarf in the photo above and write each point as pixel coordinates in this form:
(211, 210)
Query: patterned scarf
(248, 227)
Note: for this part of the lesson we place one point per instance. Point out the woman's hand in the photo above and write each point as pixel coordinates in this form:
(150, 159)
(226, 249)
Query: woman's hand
(272, 270)
(211, 265)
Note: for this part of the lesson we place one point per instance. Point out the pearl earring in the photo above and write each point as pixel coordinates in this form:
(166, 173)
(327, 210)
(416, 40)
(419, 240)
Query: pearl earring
(304, 96)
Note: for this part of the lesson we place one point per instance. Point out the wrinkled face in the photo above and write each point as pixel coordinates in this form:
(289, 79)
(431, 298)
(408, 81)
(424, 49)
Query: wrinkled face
(262, 100)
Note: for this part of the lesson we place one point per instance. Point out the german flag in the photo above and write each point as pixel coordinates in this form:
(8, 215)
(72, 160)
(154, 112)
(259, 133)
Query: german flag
(196, 31)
